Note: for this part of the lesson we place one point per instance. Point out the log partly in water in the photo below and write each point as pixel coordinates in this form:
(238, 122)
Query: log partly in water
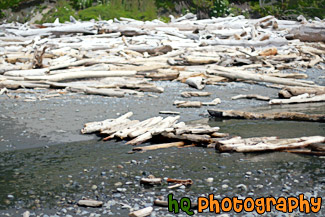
(259, 144)
(293, 116)
(304, 98)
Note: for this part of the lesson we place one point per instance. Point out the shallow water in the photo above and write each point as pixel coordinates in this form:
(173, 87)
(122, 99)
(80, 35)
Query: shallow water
(51, 178)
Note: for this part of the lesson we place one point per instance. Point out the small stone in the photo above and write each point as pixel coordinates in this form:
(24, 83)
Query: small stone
(259, 186)
(118, 184)
(121, 189)
(94, 187)
(209, 180)
(224, 186)
(90, 203)
(119, 166)
(242, 187)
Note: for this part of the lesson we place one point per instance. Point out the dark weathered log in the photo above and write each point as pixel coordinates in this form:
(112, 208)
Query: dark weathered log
(293, 116)
(185, 182)
(151, 181)
(309, 33)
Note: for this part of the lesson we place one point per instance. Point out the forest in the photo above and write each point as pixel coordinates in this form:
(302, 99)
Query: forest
(11, 10)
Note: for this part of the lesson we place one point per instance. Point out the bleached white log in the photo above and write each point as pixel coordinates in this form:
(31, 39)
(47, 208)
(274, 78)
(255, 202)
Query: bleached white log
(30, 72)
(102, 125)
(82, 75)
(232, 73)
(304, 98)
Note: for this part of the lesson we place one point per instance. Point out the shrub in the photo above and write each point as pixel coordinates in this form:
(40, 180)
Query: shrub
(63, 11)
(136, 9)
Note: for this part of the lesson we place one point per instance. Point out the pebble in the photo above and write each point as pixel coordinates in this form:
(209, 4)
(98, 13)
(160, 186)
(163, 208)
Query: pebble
(209, 180)
(118, 184)
(242, 187)
(224, 186)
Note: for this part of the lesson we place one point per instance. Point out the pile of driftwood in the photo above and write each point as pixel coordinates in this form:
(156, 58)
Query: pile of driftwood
(119, 57)
(180, 134)
(138, 132)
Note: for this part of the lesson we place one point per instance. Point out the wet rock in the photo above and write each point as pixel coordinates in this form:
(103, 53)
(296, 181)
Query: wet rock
(209, 180)
(242, 187)
(118, 184)
(90, 203)
(224, 186)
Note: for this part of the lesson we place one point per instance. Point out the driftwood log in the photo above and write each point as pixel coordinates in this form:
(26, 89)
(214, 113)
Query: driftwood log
(259, 144)
(304, 98)
(292, 116)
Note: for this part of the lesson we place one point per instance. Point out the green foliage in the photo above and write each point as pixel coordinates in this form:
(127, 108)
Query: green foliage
(81, 4)
(289, 9)
(63, 11)
(164, 19)
(220, 8)
(168, 5)
(136, 9)
(4, 4)
(236, 11)
(150, 9)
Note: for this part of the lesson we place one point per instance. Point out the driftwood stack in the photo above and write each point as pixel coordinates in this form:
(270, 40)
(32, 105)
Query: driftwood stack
(119, 57)
(138, 132)
(181, 135)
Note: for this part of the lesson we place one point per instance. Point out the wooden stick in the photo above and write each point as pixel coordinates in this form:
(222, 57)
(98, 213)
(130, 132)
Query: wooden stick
(180, 181)
(151, 181)
(251, 96)
(195, 94)
(159, 146)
